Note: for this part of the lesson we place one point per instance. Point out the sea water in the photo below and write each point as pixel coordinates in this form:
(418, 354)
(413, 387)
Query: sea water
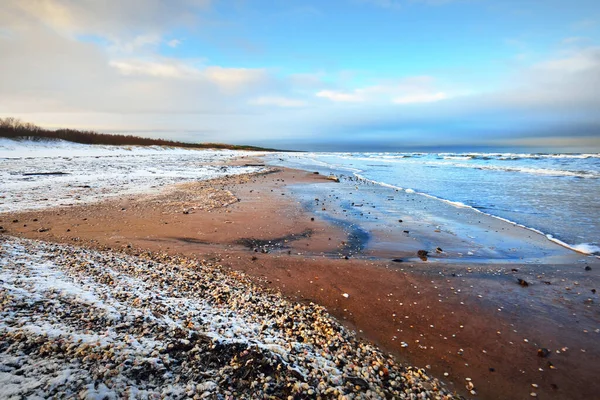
(557, 195)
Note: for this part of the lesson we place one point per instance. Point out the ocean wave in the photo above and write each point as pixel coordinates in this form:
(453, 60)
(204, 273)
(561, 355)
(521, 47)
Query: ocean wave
(532, 171)
(517, 156)
(464, 156)
(455, 161)
(584, 248)
(458, 157)
(587, 248)
(586, 174)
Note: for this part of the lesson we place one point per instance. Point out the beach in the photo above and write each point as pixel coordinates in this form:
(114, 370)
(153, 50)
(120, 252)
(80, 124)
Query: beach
(517, 318)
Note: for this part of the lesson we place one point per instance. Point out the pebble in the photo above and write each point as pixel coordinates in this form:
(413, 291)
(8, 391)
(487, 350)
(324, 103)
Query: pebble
(171, 327)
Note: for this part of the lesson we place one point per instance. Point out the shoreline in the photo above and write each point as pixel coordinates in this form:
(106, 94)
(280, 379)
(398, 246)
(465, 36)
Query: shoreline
(384, 168)
(574, 247)
(444, 295)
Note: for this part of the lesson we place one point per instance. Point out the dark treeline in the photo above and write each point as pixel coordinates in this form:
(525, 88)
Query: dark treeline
(14, 128)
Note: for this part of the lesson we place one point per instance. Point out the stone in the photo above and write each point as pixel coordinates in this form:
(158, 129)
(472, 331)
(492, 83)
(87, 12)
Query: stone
(543, 352)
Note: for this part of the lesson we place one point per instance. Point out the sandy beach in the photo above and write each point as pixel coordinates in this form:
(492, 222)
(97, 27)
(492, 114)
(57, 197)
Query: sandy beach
(320, 200)
(472, 324)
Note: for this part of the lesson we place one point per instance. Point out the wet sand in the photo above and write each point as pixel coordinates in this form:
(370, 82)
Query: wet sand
(467, 320)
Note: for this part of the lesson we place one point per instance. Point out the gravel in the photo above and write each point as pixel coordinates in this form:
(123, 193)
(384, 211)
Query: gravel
(106, 325)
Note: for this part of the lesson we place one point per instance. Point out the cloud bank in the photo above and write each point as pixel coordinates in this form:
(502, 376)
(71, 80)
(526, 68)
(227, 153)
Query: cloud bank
(115, 66)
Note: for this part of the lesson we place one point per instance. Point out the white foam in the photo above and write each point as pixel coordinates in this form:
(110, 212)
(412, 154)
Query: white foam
(581, 248)
(515, 156)
(458, 158)
(587, 248)
(403, 158)
(527, 170)
(397, 159)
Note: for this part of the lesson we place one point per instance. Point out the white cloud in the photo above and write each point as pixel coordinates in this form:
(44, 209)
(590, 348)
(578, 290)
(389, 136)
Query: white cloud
(109, 18)
(163, 69)
(134, 44)
(420, 98)
(582, 60)
(174, 43)
(116, 80)
(277, 101)
(416, 89)
(340, 96)
(560, 85)
(227, 79)
(234, 78)
(51, 73)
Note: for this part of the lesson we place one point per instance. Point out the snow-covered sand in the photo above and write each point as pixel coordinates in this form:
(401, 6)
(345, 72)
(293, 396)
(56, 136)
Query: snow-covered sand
(77, 322)
(106, 325)
(36, 175)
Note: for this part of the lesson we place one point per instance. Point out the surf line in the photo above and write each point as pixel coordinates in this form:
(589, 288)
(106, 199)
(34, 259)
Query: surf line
(458, 204)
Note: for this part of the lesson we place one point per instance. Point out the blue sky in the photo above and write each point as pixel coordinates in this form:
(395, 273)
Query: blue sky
(344, 74)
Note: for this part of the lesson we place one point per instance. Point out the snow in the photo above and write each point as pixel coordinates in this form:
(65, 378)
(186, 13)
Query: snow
(31, 273)
(71, 173)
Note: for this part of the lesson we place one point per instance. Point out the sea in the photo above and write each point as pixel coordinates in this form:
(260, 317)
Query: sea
(557, 195)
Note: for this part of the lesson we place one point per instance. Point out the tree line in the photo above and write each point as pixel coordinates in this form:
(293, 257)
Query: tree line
(14, 128)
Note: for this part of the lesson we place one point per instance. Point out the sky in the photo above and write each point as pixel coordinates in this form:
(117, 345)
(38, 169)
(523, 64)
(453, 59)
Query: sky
(347, 75)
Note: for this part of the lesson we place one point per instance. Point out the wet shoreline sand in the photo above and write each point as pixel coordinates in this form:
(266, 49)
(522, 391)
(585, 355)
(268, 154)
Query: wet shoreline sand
(445, 315)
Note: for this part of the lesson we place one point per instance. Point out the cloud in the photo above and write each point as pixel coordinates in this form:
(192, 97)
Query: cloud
(111, 75)
(136, 43)
(52, 73)
(564, 86)
(420, 98)
(581, 61)
(234, 78)
(229, 79)
(173, 43)
(416, 89)
(63, 80)
(109, 19)
(554, 98)
(339, 96)
(161, 69)
(278, 101)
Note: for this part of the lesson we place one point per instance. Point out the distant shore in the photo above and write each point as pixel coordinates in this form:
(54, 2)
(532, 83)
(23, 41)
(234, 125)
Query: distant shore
(13, 128)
